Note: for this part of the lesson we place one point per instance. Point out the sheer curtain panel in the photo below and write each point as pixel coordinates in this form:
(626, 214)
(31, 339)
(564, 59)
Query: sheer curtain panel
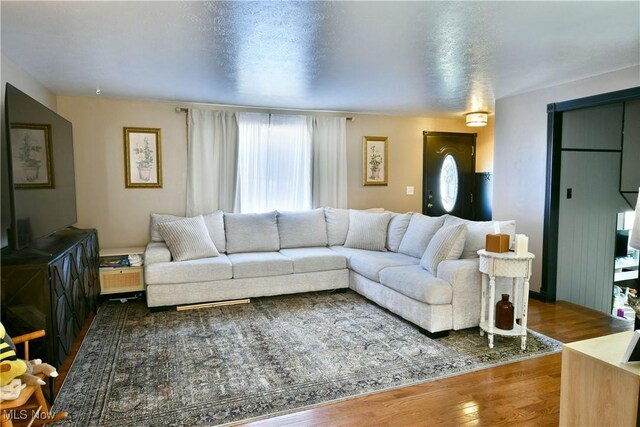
(212, 161)
(274, 163)
(329, 162)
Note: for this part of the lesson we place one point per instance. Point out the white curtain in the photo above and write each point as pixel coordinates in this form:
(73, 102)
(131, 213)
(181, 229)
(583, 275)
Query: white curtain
(329, 162)
(212, 161)
(274, 163)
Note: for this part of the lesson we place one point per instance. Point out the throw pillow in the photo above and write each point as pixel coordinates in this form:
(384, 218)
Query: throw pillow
(447, 243)
(188, 239)
(419, 233)
(337, 225)
(302, 229)
(367, 230)
(477, 232)
(397, 227)
(251, 232)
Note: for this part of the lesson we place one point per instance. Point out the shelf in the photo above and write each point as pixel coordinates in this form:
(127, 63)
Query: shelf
(515, 332)
(122, 251)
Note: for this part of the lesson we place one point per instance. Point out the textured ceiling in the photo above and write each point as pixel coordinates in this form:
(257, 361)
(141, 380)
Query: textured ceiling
(438, 58)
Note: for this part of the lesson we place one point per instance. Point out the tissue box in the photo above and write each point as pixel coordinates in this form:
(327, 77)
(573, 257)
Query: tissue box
(497, 243)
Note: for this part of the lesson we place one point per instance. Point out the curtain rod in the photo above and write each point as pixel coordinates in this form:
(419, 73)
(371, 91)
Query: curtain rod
(186, 110)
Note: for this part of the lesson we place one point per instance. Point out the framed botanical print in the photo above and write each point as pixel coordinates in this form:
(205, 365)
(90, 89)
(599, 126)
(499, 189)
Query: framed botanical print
(142, 158)
(375, 160)
(31, 156)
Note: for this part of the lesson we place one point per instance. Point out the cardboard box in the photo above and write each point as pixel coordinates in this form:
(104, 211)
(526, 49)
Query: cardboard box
(497, 243)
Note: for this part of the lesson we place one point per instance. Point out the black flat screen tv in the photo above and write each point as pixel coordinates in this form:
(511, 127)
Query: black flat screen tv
(38, 171)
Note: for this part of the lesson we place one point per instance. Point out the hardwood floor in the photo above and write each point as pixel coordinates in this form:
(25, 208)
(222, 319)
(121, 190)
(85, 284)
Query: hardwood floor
(522, 393)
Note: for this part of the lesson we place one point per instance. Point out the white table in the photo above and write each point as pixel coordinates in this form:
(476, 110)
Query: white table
(517, 268)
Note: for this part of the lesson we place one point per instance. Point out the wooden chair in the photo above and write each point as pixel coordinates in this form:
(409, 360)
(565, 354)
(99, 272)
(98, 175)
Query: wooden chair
(30, 408)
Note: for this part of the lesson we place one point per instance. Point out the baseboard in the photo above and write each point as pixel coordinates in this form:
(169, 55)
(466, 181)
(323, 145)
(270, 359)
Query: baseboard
(539, 296)
(212, 304)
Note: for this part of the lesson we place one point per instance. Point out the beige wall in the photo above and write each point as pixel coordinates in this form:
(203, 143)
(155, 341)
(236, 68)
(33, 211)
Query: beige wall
(520, 161)
(122, 215)
(405, 157)
(11, 73)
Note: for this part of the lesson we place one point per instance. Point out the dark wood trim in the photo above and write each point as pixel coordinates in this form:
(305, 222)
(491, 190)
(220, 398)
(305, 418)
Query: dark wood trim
(552, 204)
(595, 100)
(539, 296)
(592, 150)
(552, 193)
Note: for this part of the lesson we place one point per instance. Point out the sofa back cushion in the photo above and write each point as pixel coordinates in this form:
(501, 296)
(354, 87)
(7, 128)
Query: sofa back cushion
(477, 232)
(213, 221)
(419, 233)
(188, 238)
(251, 232)
(367, 230)
(302, 229)
(397, 227)
(447, 243)
(337, 225)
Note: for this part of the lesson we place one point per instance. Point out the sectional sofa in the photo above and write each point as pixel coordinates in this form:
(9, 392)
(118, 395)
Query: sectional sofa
(424, 269)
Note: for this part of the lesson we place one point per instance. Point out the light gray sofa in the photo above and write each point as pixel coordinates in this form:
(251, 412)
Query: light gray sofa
(292, 252)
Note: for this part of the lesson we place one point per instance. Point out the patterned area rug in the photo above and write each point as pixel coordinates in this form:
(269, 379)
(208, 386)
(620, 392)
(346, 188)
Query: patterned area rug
(275, 355)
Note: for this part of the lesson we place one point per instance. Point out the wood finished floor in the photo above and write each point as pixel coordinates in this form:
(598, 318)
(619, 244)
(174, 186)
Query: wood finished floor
(523, 393)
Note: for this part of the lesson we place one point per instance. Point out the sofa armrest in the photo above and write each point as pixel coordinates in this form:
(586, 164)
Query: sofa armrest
(466, 280)
(157, 252)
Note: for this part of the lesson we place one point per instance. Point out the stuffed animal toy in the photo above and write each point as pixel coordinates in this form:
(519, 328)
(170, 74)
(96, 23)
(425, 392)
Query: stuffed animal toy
(35, 367)
(10, 366)
(12, 390)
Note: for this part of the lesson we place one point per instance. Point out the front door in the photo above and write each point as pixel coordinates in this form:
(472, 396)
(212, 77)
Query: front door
(448, 173)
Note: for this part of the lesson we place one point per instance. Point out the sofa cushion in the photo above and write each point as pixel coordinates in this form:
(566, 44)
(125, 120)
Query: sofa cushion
(156, 218)
(417, 283)
(447, 243)
(214, 222)
(306, 260)
(369, 263)
(302, 229)
(188, 239)
(477, 233)
(197, 270)
(260, 264)
(367, 230)
(397, 227)
(419, 232)
(251, 232)
(337, 225)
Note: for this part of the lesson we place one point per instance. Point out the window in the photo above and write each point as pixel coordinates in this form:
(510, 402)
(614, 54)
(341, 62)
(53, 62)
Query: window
(448, 183)
(274, 163)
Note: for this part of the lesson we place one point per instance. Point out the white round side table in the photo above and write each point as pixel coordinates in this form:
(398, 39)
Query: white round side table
(509, 265)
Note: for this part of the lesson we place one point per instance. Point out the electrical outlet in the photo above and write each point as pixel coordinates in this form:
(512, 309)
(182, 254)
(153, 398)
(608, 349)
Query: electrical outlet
(410, 190)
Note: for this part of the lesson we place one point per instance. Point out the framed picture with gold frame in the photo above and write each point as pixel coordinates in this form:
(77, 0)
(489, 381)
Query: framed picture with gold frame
(31, 156)
(142, 158)
(375, 153)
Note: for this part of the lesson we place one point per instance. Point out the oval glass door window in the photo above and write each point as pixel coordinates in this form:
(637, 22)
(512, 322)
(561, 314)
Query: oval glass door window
(448, 183)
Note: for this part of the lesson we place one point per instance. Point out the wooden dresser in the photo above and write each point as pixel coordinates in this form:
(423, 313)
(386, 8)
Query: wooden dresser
(54, 286)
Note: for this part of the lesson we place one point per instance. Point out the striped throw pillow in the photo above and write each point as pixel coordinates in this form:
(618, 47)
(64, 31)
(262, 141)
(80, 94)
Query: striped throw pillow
(447, 243)
(188, 239)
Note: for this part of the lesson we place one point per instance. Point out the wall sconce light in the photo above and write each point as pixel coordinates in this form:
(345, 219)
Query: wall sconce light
(478, 118)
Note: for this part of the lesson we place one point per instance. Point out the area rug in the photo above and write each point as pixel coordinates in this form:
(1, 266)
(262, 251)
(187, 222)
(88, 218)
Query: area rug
(273, 356)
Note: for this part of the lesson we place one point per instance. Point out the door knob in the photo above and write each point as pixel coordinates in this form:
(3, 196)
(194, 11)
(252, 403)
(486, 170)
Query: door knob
(429, 205)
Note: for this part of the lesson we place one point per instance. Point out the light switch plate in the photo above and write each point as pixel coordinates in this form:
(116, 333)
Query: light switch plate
(410, 190)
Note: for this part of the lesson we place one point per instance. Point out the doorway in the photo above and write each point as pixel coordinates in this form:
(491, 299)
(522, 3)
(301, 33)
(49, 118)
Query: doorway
(448, 172)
